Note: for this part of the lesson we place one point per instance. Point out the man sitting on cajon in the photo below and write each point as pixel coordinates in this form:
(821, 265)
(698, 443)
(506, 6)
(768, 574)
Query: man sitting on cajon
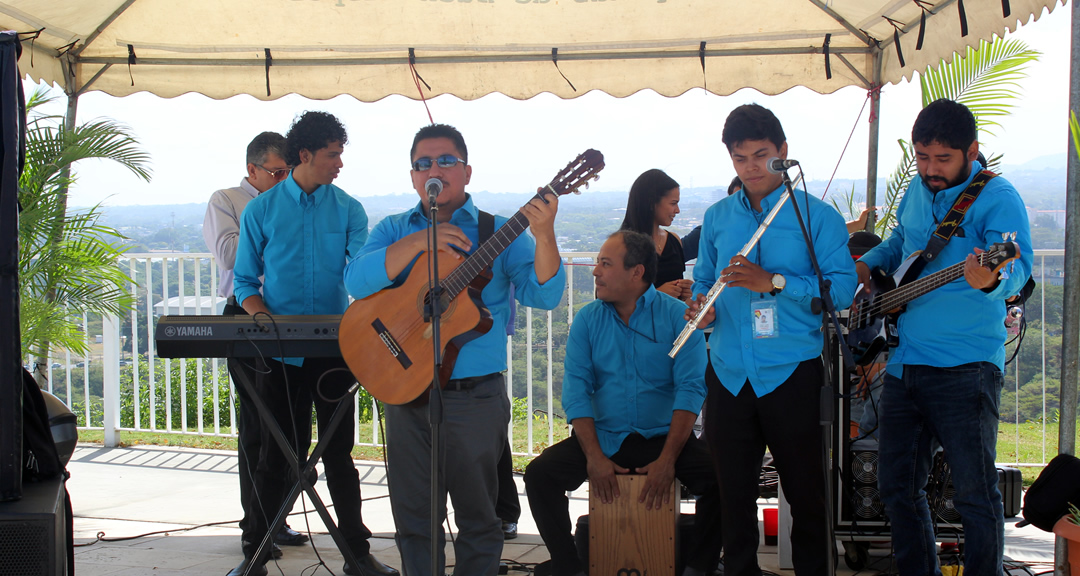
(632, 408)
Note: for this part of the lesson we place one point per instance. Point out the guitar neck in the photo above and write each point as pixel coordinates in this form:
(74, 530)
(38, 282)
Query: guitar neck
(486, 254)
(912, 290)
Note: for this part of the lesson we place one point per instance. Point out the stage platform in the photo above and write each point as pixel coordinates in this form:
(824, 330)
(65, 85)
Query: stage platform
(189, 499)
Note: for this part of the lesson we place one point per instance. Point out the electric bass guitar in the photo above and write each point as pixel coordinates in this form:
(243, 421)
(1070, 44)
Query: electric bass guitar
(386, 338)
(872, 325)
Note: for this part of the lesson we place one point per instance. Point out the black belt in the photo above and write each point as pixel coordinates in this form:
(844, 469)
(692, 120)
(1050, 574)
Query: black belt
(461, 384)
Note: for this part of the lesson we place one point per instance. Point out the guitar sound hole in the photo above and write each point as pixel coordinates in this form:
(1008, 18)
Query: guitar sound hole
(423, 305)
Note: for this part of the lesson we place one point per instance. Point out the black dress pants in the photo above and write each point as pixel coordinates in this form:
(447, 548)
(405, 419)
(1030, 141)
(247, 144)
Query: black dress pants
(249, 430)
(786, 420)
(562, 468)
(291, 406)
(507, 506)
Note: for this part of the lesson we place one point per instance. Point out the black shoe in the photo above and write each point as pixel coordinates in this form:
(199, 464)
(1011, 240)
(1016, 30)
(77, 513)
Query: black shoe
(257, 568)
(370, 566)
(249, 549)
(509, 530)
(289, 537)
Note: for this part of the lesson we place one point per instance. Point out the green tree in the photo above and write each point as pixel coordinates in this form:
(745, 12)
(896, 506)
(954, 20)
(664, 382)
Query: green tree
(67, 261)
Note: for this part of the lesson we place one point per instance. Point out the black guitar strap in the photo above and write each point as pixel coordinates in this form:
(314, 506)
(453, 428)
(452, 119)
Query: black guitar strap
(951, 223)
(485, 225)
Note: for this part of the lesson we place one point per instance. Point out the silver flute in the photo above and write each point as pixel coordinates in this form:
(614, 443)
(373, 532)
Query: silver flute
(717, 288)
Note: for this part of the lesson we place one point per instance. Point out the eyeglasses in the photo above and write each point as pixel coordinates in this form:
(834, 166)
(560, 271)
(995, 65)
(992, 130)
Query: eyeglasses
(277, 175)
(444, 161)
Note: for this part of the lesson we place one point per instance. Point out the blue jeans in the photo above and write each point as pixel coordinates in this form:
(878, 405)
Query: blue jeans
(959, 407)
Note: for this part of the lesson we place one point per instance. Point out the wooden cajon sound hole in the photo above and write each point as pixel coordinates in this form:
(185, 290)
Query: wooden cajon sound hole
(625, 539)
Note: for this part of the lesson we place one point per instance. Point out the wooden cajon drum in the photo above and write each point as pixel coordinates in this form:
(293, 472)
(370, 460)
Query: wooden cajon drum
(626, 539)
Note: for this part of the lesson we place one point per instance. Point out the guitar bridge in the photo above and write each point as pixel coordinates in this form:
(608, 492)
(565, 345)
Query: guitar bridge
(391, 344)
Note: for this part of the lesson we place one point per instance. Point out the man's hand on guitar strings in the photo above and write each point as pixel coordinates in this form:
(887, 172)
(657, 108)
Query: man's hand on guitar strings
(541, 215)
(978, 276)
(451, 240)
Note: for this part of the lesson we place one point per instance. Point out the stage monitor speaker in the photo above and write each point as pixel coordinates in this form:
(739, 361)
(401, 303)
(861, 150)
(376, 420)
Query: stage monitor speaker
(862, 503)
(33, 531)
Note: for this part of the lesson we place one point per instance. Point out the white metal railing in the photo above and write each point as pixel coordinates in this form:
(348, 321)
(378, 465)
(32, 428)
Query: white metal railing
(139, 392)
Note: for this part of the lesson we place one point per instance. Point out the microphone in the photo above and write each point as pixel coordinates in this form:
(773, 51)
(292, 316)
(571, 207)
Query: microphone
(434, 188)
(776, 165)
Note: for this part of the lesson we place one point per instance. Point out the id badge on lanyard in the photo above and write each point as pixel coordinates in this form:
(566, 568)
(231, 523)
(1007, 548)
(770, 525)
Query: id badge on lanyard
(763, 313)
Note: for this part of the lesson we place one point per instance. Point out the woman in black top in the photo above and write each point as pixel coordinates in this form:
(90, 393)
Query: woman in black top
(654, 202)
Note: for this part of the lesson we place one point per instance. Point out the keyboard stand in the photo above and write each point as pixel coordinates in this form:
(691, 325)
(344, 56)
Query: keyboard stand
(274, 428)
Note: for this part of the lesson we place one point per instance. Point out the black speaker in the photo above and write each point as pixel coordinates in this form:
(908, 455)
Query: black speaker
(33, 531)
(862, 501)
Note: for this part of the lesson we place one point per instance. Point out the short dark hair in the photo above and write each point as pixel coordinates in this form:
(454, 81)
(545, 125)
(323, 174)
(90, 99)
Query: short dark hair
(313, 131)
(735, 186)
(440, 131)
(947, 123)
(752, 122)
(263, 144)
(640, 249)
(648, 190)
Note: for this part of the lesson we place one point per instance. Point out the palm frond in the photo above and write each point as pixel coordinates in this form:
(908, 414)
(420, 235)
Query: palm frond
(68, 260)
(986, 80)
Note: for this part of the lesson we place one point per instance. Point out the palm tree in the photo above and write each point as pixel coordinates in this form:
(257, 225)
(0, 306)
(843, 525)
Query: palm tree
(987, 81)
(67, 261)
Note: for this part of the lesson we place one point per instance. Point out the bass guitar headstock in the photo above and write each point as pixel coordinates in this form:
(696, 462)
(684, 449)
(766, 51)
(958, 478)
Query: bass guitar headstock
(578, 173)
(1001, 253)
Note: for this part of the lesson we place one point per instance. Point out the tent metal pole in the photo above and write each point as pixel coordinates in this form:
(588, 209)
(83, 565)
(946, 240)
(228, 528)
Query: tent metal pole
(874, 140)
(1070, 341)
(1070, 322)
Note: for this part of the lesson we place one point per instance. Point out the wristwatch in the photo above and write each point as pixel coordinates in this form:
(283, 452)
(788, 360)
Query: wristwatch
(778, 283)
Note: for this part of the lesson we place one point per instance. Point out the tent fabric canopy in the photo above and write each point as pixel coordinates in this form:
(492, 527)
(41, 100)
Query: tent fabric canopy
(470, 48)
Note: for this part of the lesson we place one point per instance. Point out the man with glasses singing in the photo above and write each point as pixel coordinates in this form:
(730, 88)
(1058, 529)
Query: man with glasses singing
(294, 243)
(477, 409)
(221, 230)
(631, 406)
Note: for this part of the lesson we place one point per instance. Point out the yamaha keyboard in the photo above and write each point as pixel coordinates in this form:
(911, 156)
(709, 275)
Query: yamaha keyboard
(314, 336)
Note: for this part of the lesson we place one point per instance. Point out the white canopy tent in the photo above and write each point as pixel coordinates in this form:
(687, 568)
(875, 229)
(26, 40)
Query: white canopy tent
(469, 48)
(520, 48)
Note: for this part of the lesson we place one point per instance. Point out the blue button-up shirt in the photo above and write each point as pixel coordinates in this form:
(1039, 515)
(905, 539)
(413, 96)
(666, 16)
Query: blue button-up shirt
(299, 243)
(366, 275)
(955, 324)
(737, 356)
(620, 374)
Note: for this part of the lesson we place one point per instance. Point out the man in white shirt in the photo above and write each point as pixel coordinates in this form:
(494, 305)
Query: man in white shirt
(221, 230)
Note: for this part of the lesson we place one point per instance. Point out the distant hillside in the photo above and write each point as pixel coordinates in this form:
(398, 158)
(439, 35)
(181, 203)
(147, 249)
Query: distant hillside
(583, 220)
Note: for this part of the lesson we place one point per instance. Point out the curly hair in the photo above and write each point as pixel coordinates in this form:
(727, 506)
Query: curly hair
(312, 131)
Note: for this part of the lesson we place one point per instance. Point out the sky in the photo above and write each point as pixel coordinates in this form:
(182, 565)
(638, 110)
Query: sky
(197, 144)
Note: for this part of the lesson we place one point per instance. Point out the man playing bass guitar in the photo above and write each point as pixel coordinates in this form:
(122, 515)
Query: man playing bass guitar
(476, 408)
(944, 379)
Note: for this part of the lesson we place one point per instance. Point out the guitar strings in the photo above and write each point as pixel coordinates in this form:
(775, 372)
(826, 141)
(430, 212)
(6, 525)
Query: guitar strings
(895, 298)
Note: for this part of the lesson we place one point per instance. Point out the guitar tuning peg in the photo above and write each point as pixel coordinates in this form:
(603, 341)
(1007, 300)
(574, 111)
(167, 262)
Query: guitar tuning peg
(577, 192)
(1012, 236)
(586, 184)
(596, 177)
(1004, 236)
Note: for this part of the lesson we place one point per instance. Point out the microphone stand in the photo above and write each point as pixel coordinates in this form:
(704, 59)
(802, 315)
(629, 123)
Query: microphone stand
(823, 305)
(435, 403)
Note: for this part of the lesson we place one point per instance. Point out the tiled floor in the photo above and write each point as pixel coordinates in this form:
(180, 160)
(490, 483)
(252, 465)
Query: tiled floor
(185, 502)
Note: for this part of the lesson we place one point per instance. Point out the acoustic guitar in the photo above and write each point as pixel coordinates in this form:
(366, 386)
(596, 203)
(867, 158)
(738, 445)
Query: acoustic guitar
(872, 326)
(386, 338)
